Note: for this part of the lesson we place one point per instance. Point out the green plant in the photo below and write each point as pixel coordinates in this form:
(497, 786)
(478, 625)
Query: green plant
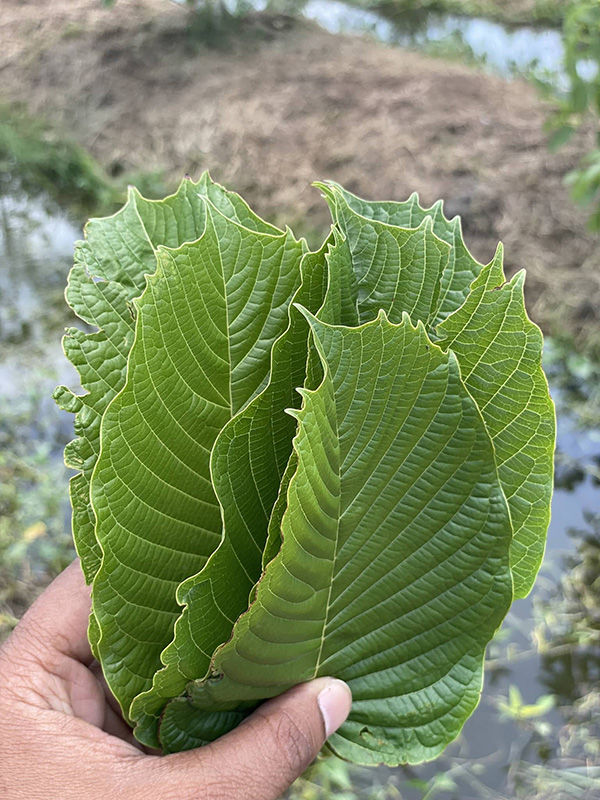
(243, 534)
(581, 40)
(34, 155)
(38, 158)
(34, 542)
(515, 708)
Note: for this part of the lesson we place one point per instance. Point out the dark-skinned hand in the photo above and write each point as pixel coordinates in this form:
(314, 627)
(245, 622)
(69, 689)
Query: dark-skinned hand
(63, 738)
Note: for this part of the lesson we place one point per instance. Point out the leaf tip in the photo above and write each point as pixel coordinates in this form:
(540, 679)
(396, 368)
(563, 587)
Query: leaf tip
(518, 278)
(499, 254)
(329, 189)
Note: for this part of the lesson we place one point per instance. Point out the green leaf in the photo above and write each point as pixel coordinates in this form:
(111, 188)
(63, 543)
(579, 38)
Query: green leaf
(247, 464)
(205, 328)
(397, 269)
(560, 136)
(498, 348)
(579, 94)
(499, 351)
(393, 574)
(250, 468)
(109, 272)
(515, 708)
(340, 303)
(184, 729)
(461, 268)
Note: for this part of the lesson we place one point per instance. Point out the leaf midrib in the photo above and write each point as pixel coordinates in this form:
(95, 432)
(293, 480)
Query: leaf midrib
(337, 536)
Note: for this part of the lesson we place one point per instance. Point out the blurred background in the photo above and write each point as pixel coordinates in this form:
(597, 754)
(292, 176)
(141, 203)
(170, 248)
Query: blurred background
(493, 105)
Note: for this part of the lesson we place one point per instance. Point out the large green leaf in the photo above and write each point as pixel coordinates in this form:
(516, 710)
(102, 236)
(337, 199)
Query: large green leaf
(248, 463)
(205, 328)
(500, 355)
(461, 267)
(394, 572)
(248, 460)
(498, 348)
(109, 271)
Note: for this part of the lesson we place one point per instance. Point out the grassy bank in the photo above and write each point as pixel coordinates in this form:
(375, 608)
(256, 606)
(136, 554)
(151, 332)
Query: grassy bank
(510, 12)
(39, 158)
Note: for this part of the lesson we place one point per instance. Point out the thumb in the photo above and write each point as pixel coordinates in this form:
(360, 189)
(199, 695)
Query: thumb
(268, 751)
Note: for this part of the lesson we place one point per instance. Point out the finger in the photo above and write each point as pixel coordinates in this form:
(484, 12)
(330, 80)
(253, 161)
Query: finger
(264, 755)
(58, 620)
(116, 726)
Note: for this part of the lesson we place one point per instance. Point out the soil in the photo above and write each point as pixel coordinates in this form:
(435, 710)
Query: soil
(278, 104)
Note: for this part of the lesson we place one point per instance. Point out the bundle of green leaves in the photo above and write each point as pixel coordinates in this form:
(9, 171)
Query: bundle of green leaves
(295, 464)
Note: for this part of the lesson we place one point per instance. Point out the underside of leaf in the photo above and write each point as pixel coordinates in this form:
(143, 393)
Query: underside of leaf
(294, 464)
(499, 351)
(109, 272)
(205, 328)
(248, 460)
(396, 532)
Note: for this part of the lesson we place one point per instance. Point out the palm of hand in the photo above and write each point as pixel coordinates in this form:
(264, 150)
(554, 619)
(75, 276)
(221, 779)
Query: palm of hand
(62, 736)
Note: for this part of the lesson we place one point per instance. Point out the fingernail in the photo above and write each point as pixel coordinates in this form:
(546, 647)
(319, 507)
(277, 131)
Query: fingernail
(334, 703)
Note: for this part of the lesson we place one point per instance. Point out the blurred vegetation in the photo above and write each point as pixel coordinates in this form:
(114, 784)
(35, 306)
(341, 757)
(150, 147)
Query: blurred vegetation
(43, 160)
(576, 378)
(35, 540)
(511, 12)
(579, 103)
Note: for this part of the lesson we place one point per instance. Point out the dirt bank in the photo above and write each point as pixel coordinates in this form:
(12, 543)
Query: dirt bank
(280, 104)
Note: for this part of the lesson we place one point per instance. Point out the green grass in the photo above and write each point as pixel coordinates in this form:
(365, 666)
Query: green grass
(32, 153)
(40, 159)
(510, 12)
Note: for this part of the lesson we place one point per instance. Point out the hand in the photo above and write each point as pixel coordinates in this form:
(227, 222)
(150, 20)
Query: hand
(62, 738)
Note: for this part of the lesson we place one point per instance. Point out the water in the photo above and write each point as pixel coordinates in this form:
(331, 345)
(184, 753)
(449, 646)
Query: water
(36, 250)
(501, 49)
(35, 255)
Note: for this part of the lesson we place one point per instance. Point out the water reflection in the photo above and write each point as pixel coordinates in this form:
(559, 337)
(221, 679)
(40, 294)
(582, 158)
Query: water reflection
(502, 49)
(572, 619)
(36, 247)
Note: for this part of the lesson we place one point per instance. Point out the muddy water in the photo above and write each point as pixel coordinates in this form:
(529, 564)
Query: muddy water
(35, 254)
